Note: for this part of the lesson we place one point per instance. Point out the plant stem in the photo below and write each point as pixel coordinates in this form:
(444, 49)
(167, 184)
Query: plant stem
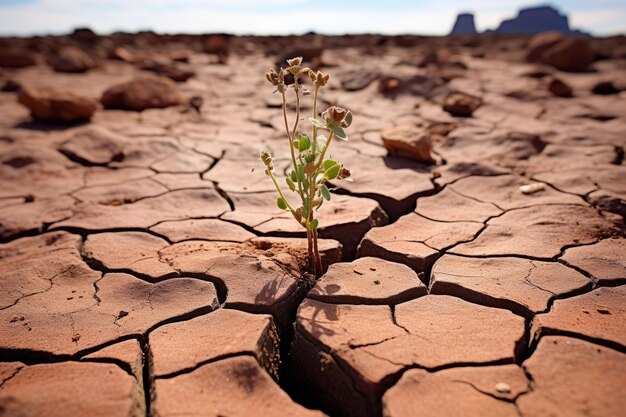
(290, 137)
(330, 137)
(279, 190)
(297, 90)
(317, 88)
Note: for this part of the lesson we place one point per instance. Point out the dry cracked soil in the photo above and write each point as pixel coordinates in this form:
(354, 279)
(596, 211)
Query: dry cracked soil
(145, 270)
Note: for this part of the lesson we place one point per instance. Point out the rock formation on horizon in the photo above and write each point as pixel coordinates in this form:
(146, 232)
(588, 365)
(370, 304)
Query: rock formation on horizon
(464, 25)
(535, 20)
(528, 21)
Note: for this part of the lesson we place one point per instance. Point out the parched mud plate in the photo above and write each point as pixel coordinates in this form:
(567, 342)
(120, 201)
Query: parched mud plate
(145, 270)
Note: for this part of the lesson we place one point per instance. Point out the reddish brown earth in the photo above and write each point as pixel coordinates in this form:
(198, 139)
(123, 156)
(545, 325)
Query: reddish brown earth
(476, 267)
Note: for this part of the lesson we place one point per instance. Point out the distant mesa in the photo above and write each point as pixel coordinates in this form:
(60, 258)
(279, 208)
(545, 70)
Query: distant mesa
(464, 25)
(528, 21)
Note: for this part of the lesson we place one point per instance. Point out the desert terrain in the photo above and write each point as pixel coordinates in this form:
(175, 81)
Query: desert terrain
(476, 263)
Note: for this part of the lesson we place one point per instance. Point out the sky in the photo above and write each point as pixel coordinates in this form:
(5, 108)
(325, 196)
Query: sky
(426, 17)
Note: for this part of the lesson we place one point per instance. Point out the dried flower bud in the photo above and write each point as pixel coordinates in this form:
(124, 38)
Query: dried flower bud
(273, 77)
(267, 160)
(295, 62)
(343, 174)
(334, 114)
(319, 79)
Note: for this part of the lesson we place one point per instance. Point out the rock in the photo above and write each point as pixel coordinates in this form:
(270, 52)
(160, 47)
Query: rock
(17, 58)
(464, 25)
(179, 347)
(11, 86)
(367, 281)
(121, 54)
(94, 145)
(349, 353)
(602, 260)
(415, 240)
(169, 70)
(72, 388)
(605, 88)
(572, 54)
(358, 80)
(558, 366)
(56, 106)
(541, 43)
(523, 286)
(560, 88)
(72, 59)
(535, 20)
(596, 316)
(408, 142)
(236, 387)
(457, 391)
(310, 53)
(218, 45)
(541, 231)
(142, 93)
(461, 104)
(84, 34)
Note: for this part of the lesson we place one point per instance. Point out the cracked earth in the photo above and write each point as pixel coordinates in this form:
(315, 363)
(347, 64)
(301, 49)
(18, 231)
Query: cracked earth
(145, 270)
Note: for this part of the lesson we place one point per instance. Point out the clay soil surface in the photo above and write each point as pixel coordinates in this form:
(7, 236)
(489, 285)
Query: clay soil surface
(146, 271)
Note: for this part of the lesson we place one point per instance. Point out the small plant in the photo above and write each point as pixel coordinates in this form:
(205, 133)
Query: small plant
(311, 169)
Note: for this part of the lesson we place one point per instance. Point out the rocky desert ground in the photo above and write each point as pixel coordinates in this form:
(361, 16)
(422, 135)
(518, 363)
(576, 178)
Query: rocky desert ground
(476, 264)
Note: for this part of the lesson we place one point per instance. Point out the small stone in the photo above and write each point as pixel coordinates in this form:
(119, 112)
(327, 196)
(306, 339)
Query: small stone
(409, 142)
(72, 59)
(560, 88)
(532, 188)
(571, 54)
(461, 104)
(142, 93)
(503, 387)
(56, 106)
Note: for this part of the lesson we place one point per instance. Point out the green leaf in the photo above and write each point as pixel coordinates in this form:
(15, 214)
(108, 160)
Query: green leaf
(293, 176)
(309, 157)
(304, 143)
(329, 163)
(348, 119)
(300, 173)
(290, 184)
(332, 172)
(324, 192)
(339, 132)
(281, 203)
(313, 224)
(317, 123)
